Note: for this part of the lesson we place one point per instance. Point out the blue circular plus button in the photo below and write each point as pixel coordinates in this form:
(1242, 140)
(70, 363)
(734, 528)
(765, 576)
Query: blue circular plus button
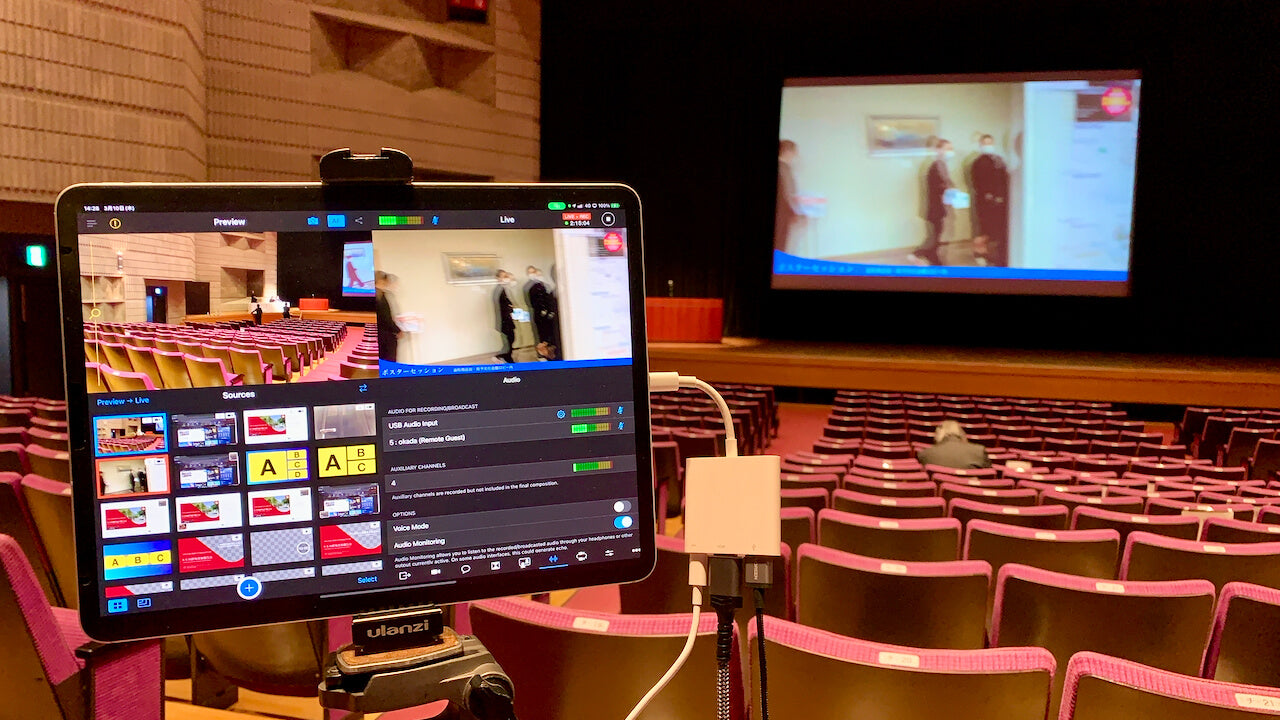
(249, 588)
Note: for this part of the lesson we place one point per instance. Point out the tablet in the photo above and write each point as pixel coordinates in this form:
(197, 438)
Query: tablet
(293, 401)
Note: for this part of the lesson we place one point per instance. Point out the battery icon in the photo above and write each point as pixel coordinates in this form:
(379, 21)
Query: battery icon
(556, 205)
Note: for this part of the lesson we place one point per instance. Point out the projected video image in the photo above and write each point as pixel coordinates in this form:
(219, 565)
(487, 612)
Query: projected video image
(890, 183)
(357, 269)
(131, 434)
(136, 475)
(514, 297)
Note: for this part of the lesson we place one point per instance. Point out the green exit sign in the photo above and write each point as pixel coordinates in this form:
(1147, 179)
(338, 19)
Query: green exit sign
(37, 256)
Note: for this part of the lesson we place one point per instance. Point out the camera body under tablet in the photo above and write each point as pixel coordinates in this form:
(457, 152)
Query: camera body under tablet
(291, 401)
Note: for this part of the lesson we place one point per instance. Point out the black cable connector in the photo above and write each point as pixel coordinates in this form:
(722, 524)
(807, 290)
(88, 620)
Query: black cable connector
(759, 577)
(725, 584)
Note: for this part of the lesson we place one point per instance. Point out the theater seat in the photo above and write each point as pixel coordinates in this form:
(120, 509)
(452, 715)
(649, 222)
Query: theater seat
(1175, 526)
(1041, 517)
(819, 675)
(16, 522)
(1098, 687)
(913, 540)
(1165, 624)
(1155, 557)
(933, 604)
(888, 507)
(577, 664)
(1246, 636)
(49, 503)
(44, 675)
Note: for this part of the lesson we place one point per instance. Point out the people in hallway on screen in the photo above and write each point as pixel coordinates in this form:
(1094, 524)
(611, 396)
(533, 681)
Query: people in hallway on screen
(515, 321)
(546, 313)
(788, 213)
(937, 182)
(951, 448)
(389, 331)
(989, 178)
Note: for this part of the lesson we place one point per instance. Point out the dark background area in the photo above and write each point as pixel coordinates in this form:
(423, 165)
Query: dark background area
(310, 265)
(680, 100)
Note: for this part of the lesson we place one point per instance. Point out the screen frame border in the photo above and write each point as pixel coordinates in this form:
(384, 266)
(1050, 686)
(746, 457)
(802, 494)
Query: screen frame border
(313, 196)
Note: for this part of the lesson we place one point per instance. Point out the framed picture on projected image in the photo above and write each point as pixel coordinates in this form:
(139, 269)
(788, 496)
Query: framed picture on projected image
(471, 268)
(898, 135)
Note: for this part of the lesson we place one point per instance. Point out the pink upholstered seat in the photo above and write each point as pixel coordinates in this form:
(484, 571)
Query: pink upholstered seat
(1155, 557)
(43, 678)
(1246, 636)
(1098, 687)
(925, 604)
(1165, 624)
(916, 540)
(576, 664)
(819, 675)
(1042, 517)
(888, 507)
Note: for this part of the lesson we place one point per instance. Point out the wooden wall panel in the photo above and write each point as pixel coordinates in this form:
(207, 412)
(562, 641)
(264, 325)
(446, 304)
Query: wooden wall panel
(95, 91)
(185, 90)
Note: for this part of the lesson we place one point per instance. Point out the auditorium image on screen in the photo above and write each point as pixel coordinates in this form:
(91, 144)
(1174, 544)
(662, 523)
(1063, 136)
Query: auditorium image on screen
(357, 269)
(134, 475)
(992, 184)
(219, 320)
(341, 501)
(131, 434)
(513, 296)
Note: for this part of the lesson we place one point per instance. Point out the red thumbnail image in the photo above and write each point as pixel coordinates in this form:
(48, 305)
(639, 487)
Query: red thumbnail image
(199, 512)
(260, 425)
(271, 506)
(125, 518)
(350, 540)
(219, 552)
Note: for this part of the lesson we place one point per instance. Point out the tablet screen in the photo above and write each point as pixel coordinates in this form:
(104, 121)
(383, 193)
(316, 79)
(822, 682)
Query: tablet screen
(290, 402)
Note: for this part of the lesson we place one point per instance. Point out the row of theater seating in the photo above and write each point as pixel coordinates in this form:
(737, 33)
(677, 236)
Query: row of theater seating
(591, 664)
(33, 436)
(754, 410)
(150, 357)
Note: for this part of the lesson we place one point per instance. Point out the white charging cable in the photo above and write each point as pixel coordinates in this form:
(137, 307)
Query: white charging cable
(670, 382)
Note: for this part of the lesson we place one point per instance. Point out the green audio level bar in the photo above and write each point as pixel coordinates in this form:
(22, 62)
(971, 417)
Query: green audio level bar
(594, 465)
(589, 428)
(589, 412)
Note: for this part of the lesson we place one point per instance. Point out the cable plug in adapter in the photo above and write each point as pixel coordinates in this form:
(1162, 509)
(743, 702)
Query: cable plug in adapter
(733, 505)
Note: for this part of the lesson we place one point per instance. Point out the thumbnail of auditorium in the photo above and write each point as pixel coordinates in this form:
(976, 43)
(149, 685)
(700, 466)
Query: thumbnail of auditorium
(994, 285)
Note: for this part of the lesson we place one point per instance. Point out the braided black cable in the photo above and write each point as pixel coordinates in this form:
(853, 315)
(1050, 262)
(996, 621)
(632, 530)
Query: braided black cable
(764, 675)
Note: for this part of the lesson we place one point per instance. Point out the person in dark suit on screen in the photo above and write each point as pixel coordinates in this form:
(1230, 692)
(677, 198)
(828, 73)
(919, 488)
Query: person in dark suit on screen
(788, 207)
(937, 182)
(546, 313)
(951, 448)
(384, 311)
(989, 178)
(506, 323)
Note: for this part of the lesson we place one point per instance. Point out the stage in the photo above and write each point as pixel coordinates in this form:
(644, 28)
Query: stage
(350, 317)
(1158, 379)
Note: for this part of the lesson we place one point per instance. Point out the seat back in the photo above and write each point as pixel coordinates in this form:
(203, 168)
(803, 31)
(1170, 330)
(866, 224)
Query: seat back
(866, 679)
(1165, 624)
(1040, 517)
(888, 507)
(13, 458)
(49, 503)
(890, 487)
(16, 522)
(1155, 557)
(913, 540)
(1246, 636)
(173, 369)
(799, 526)
(280, 659)
(1224, 530)
(1018, 497)
(591, 665)
(815, 499)
(1098, 687)
(126, 380)
(281, 367)
(926, 605)
(1175, 526)
(249, 364)
(666, 589)
(144, 362)
(93, 380)
(206, 372)
(1241, 443)
(1266, 460)
(116, 356)
(37, 657)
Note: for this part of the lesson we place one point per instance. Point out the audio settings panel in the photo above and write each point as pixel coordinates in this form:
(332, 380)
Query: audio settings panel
(472, 491)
